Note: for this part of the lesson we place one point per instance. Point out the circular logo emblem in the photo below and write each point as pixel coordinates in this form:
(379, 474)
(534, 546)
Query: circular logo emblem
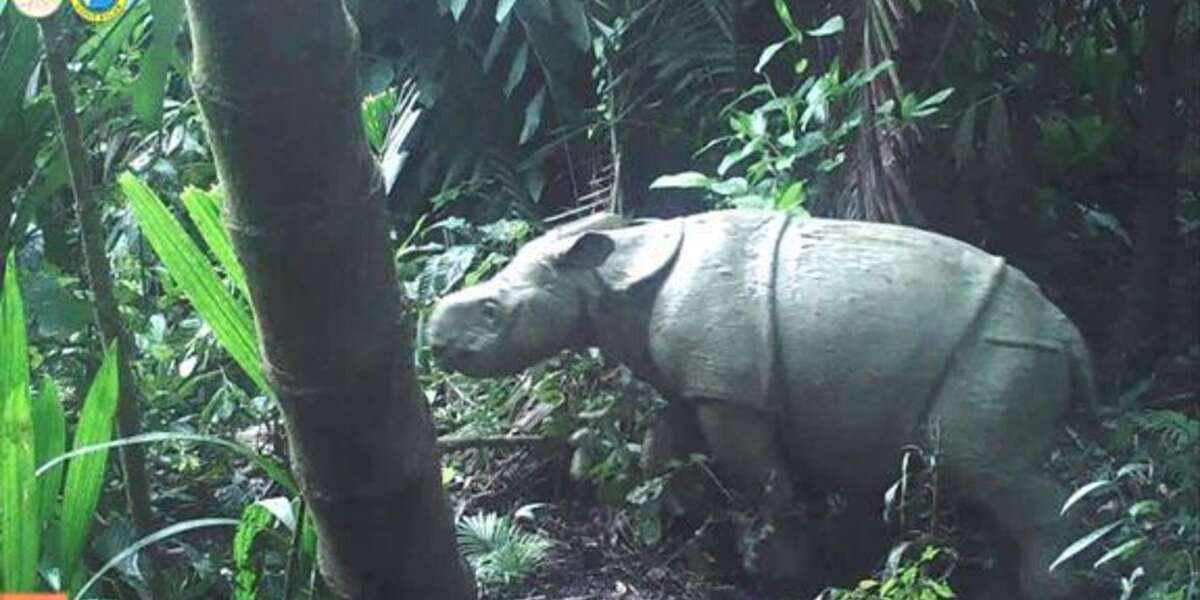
(99, 11)
(37, 9)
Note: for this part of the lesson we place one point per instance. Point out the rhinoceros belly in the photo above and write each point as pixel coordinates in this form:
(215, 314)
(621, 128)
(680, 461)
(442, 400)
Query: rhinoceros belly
(868, 318)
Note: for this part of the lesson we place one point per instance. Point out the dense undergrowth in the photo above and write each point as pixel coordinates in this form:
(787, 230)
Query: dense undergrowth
(545, 468)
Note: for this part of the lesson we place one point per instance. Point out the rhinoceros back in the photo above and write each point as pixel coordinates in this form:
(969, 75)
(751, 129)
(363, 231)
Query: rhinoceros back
(869, 317)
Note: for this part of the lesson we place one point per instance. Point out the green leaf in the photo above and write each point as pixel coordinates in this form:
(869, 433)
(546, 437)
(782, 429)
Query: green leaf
(14, 352)
(19, 525)
(102, 49)
(517, 72)
(1082, 492)
(734, 186)
(255, 520)
(560, 40)
(50, 435)
(277, 472)
(457, 7)
(690, 179)
(230, 320)
(153, 538)
(151, 83)
(19, 54)
(791, 198)
(533, 116)
(204, 208)
(835, 24)
(86, 476)
(503, 8)
(785, 17)
(767, 54)
(1083, 543)
(1145, 508)
(1125, 550)
(732, 159)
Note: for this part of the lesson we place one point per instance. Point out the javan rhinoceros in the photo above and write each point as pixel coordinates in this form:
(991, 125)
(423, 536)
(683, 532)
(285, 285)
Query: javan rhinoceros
(807, 347)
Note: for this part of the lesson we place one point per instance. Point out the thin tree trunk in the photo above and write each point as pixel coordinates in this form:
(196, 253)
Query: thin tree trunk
(99, 276)
(278, 86)
(1140, 332)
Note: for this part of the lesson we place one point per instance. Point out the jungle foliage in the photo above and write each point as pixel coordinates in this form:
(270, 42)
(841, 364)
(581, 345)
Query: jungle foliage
(1064, 135)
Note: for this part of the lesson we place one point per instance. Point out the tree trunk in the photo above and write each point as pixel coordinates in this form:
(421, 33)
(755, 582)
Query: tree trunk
(278, 86)
(1140, 333)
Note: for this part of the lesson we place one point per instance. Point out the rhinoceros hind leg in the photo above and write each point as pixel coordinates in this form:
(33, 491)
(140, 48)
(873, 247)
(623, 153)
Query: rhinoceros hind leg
(1027, 511)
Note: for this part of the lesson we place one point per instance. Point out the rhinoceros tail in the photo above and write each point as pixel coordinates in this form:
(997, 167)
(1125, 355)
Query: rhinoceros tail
(1085, 396)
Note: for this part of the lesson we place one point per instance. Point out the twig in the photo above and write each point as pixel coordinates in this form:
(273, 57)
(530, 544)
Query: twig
(100, 282)
(293, 561)
(453, 444)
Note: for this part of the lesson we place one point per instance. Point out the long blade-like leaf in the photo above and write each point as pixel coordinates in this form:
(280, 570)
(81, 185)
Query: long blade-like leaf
(153, 538)
(230, 321)
(154, 67)
(18, 488)
(274, 470)
(205, 210)
(85, 476)
(50, 435)
(1083, 543)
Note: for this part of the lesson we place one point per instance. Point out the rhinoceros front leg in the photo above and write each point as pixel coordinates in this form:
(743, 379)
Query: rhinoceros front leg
(746, 448)
(745, 445)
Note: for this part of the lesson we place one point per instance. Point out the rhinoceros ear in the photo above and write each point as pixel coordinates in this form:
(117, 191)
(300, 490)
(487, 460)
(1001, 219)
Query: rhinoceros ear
(640, 253)
(588, 251)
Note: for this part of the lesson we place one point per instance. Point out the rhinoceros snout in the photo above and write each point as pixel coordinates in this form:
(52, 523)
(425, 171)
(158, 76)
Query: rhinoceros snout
(447, 355)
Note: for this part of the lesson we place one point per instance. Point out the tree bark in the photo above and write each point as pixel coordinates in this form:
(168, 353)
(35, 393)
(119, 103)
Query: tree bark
(100, 280)
(1140, 333)
(278, 86)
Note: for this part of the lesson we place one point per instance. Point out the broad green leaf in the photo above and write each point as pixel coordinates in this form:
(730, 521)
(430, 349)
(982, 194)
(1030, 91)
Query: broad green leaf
(19, 535)
(230, 320)
(1083, 543)
(835, 24)
(85, 477)
(205, 210)
(50, 437)
(690, 179)
(792, 197)
(457, 7)
(153, 538)
(277, 472)
(151, 83)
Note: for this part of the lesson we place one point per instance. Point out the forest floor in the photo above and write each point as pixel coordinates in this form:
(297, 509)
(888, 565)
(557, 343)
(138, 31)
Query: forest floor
(595, 553)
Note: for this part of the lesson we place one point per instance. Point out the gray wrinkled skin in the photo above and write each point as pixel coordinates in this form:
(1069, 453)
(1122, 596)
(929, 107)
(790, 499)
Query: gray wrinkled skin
(807, 347)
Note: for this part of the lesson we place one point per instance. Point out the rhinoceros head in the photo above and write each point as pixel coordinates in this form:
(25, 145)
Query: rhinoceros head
(530, 310)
